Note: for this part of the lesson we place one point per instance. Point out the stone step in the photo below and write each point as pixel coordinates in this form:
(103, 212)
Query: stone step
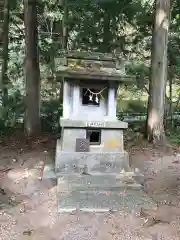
(98, 192)
(121, 174)
(95, 201)
(49, 172)
(93, 162)
(98, 182)
(96, 188)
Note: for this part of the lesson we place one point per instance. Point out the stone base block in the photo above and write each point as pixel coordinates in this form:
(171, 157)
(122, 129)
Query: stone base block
(90, 163)
(99, 181)
(111, 140)
(94, 201)
(79, 182)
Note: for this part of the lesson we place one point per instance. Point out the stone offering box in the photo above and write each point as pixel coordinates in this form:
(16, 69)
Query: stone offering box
(91, 137)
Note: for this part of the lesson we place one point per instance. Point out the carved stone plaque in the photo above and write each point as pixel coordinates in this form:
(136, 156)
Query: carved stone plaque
(95, 124)
(82, 145)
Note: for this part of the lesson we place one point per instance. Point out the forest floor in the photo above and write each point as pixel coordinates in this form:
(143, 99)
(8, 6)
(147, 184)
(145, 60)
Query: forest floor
(28, 205)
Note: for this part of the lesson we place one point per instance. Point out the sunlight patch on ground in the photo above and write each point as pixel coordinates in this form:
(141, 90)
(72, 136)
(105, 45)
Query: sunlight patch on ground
(20, 174)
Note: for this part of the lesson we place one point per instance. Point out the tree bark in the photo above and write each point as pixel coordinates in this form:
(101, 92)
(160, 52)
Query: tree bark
(64, 29)
(32, 72)
(171, 76)
(4, 77)
(155, 125)
(63, 39)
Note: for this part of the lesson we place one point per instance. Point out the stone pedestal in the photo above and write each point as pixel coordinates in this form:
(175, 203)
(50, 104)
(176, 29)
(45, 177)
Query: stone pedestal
(107, 157)
(95, 178)
(85, 177)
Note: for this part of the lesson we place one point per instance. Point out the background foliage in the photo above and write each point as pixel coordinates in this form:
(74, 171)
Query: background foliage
(98, 25)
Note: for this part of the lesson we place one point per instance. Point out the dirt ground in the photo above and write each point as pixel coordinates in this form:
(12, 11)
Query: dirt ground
(28, 205)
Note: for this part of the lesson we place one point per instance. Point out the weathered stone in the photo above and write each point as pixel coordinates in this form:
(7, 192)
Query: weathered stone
(82, 145)
(78, 123)
(105, 162)
(111, 140)
(91, 164)
(49, 172)
(104, 201)
(97, 182)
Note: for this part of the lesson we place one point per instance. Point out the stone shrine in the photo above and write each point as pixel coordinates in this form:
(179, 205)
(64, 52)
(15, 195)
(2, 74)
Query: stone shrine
(91, 136)
(90, 157)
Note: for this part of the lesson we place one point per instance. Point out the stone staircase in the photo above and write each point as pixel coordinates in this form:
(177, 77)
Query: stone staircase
(100, 192)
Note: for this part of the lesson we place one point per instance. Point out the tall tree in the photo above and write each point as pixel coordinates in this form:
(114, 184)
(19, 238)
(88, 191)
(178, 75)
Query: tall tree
(4, 77)
(155, 123)
(32, 72)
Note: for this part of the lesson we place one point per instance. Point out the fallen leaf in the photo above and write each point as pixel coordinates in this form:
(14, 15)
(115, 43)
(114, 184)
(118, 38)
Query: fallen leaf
(28, 232)
(175, 161)
(2, 191)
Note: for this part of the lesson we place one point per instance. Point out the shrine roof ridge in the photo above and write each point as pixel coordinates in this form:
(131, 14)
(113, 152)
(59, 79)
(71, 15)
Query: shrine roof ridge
(88, 55)
(92, 65)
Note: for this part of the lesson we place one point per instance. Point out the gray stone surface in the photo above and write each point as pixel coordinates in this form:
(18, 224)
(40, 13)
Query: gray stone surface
(83, 124)
(107, 162)
(98, 192)
(96, 179)
(49, 172)
(95, 76)
(69, 136)
(111, 140)
(81, 182)
(73, 96)
(127, 200)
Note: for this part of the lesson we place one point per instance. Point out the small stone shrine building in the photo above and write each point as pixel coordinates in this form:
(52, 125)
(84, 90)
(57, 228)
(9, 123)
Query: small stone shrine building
(91, 137)
(90, 156)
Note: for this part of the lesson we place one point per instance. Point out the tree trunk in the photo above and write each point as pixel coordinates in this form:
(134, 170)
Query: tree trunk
(63, 39)
(171, 76)
(4, 77)
(148, 110)
(32, 72)
(64, 30)
(155, 125)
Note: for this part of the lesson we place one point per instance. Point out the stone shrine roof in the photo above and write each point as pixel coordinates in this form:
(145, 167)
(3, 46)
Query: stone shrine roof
(94, 66)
